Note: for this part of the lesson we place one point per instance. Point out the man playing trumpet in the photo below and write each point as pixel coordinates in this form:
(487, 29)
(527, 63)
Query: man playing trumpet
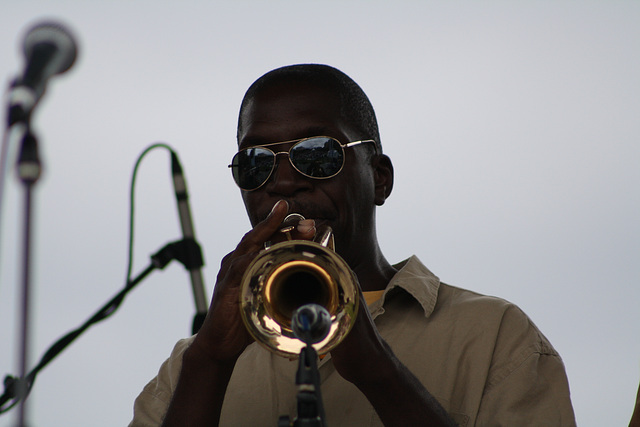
(420, 352)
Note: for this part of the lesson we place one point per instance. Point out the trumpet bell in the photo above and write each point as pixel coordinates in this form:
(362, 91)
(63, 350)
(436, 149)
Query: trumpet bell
(288, 275)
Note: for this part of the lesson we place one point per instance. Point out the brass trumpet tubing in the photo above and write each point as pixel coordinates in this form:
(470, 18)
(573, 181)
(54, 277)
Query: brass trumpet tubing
(288, 275)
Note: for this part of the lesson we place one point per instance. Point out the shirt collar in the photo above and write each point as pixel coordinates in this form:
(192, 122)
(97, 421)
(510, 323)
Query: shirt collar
(416, 279)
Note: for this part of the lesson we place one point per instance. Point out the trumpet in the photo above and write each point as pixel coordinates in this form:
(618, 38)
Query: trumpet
(290, 274)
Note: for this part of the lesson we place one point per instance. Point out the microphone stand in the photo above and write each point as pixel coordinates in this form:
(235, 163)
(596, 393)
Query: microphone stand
(310, 327)
(309, 398)
(29, 169)
(189, 254)
(17, 389)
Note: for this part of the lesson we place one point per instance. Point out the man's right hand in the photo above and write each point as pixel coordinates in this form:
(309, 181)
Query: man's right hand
(223, 336)
(209, 361)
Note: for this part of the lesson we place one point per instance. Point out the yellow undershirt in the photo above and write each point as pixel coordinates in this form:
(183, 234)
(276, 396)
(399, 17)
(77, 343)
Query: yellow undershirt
(372, 296)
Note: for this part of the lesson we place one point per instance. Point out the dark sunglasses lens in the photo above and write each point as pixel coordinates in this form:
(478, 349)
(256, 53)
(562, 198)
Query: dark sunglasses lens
(252, 167)
(317, 157)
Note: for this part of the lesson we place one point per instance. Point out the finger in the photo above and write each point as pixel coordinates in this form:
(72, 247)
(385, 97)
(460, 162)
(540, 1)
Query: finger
(306, 227)
(254, 239)
(303, 230)
(234, 263)
(233, 267)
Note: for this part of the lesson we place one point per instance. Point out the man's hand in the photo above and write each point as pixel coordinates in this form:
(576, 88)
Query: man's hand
(354, 358)
(223, 336)
(366, 360)
(208, 363)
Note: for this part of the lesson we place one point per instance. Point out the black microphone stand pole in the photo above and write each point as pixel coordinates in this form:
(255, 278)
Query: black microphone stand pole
(310, 324)
(29, 169)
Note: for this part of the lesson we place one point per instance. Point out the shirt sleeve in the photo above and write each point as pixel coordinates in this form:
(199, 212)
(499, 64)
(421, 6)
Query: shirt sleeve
(152, 403)
(527, 385)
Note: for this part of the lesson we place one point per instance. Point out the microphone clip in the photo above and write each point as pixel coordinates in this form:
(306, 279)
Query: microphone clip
(187, 251)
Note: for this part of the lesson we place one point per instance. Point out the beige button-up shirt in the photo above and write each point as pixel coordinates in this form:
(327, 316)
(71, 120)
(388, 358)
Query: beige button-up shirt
(481, 357)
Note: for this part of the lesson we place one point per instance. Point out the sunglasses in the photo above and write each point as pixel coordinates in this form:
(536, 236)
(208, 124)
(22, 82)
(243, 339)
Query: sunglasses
(319, 157)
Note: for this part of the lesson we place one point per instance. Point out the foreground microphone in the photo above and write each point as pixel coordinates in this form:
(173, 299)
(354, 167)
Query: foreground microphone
(311, 323)
(49, 49)
(193, 261)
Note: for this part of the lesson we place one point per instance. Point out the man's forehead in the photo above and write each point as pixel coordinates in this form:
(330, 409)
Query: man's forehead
(289, 112)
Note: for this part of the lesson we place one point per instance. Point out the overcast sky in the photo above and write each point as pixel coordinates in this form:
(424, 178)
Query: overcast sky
(513, 127)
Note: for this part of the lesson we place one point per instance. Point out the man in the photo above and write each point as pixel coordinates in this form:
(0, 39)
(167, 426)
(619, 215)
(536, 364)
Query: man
(635, 417)
(435, 355)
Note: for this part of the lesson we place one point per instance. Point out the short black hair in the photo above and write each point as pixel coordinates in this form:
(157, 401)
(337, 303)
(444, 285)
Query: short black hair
(354, 103)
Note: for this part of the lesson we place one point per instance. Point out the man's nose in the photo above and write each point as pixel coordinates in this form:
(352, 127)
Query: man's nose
(285, 179)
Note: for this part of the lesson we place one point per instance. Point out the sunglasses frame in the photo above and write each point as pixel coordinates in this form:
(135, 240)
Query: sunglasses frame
(288, 153)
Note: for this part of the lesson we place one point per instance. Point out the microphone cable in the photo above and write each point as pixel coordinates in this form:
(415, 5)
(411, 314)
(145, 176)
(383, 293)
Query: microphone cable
(132, 208)
(13, 385)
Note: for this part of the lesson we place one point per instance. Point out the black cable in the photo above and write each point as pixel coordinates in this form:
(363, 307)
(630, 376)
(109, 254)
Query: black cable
(132, 201)
(13, 385)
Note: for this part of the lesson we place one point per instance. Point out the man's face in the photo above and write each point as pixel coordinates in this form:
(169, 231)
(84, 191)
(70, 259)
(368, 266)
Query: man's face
(287, 112)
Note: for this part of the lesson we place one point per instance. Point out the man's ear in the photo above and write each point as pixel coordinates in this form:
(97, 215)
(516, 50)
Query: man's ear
(383, 175)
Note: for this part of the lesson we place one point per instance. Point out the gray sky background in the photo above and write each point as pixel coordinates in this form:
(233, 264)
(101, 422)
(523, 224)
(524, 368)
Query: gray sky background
(513, 127)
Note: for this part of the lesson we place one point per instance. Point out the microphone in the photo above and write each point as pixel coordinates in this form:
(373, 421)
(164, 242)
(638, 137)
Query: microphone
(193, 259)
(311, 323)
(49, 49)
